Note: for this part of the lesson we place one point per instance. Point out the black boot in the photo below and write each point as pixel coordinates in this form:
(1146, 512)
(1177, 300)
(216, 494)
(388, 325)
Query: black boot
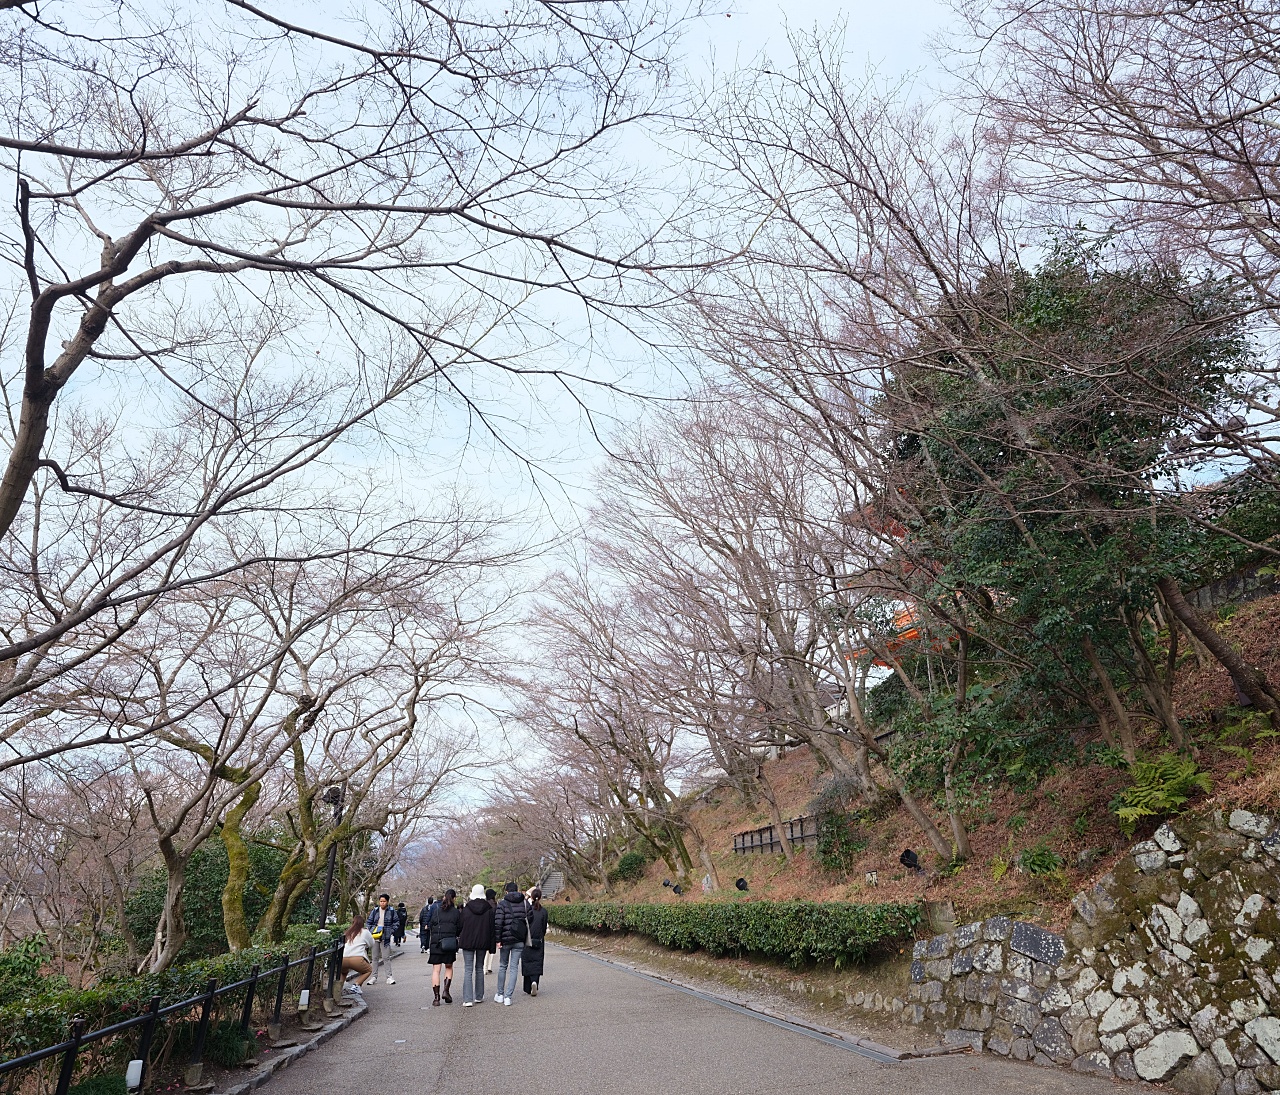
(436, 1002)
(447, 982)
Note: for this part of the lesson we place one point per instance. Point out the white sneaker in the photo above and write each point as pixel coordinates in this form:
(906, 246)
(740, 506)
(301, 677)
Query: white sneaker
(506, 1000)
(355, 990)
(372, 981)
(497, 998)
(533, 991)
(467, 1004)
(390, 980)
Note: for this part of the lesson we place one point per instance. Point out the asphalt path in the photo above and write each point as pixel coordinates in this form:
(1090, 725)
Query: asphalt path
(596, 1029)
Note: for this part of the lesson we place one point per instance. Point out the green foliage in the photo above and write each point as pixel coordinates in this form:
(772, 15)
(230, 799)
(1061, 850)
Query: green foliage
(202, 897)
(20, 965)
(629, 868)
(795, 931)
(840, 841)
(1040, 859)
(1161, 786)
(39, 1013)
(1017, 822)
(224, 1044)
(106, 1084)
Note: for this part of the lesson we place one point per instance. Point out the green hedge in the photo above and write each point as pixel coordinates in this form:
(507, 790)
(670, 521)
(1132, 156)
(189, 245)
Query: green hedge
(39, 1014)
(796, 931)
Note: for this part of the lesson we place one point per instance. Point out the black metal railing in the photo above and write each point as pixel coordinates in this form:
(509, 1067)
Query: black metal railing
(136, 1075)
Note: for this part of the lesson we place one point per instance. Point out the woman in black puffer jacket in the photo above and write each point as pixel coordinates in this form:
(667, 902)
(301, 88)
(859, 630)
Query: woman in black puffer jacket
(531, 959)
(445, 926)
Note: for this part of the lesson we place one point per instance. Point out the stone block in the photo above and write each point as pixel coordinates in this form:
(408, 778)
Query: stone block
(1139, 1035)
(1084, 1039)
(921, 946)
(1020, 990)
(1121, 1015)
(1122, 1064)
(938, 969)
(996, 929)
(1246, 1008)
(1209, 1024)
(939, 946)
(961, 964)
(956, 1037)
(915, 1014)
(996, 1044)
(987, 958)
(1085, 909)
(1130, 980)
(968, 935)
(1055, 1001)
(1019, 966)
(1098, 1001)
(1167, 840)
(1254, 825)
(1095, 1063)
(1114, 1043)
(917, 971)
(1265, 1030)
(1021, 1014)
(1051, 1040)
(1036, 943)
(1083, 985)
(931, 992)
(1201, 1077)
(1041, 975)
(1268, 1076)
(1164, 1055)
(1149, 856)
(1021, 1049)
(1257, 948)
(977, 1017)
(1246, 1084)
(1188, 908)
(1222, 1054)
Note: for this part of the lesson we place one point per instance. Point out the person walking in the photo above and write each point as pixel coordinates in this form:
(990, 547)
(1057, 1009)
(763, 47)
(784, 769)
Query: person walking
(531, 959)
(382, 925)
(490, 896)
(356, 948)
(446, 923)
(402, 920)
(511, 925)
(475, 939)
(424, 920)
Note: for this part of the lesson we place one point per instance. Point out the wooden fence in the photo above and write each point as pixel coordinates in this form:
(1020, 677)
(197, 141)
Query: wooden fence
(800, 831)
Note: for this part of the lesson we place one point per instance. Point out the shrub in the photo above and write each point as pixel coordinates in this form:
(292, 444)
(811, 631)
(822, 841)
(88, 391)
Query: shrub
(1160, 786)
(839, 841)
(630, 867)
(795, 931)
(100, 1085)
(1040, 859)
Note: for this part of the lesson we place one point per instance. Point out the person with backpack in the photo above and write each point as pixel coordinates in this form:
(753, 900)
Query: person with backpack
(535, 949)
(511, 925)
(476, 938)
(382, 926)
(446, 923)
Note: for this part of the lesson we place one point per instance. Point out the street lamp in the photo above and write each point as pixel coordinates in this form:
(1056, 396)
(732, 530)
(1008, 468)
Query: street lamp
(334, 796)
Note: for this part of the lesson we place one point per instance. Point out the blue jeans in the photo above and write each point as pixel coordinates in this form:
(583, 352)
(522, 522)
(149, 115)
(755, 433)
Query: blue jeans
(472, 983)
(508, 968)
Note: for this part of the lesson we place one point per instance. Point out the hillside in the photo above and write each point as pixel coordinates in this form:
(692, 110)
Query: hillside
(1069, 811)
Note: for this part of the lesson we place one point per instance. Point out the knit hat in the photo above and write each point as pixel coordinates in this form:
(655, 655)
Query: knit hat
(477, 892)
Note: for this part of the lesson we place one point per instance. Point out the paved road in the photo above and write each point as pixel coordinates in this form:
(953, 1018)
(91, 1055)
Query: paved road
(599, 1030)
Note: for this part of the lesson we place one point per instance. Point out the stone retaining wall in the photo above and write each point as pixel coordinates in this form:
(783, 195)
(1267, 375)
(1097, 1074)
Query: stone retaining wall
(1169, 970)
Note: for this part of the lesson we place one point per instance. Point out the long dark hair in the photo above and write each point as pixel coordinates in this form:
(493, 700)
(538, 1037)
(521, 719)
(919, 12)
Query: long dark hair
(536, 898)
(449, 896)
(357, 926)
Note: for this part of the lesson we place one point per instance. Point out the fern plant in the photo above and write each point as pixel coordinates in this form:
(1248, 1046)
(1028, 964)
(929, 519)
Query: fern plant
(1161, 786)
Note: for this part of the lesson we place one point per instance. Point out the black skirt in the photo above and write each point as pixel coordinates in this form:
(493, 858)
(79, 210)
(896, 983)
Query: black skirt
(437, 957)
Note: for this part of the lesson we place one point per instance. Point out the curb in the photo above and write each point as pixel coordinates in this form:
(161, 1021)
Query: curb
(855, 1042)
(265, 1071)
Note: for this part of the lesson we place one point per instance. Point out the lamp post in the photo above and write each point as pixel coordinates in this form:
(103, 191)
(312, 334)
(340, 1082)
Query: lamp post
(334, 796)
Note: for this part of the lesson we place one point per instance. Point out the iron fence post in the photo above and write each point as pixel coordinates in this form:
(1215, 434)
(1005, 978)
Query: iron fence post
(196, 1067)
(273, 1027)
(304, 997)
(69, 1057)
(136, 1074)
(246, 1016)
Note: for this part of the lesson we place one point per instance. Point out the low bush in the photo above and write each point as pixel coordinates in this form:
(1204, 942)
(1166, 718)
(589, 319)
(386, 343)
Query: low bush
(795, 931)
(1160, 787)
(630, 867)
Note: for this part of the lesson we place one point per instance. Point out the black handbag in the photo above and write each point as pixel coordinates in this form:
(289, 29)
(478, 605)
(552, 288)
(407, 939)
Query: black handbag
(449, 943)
